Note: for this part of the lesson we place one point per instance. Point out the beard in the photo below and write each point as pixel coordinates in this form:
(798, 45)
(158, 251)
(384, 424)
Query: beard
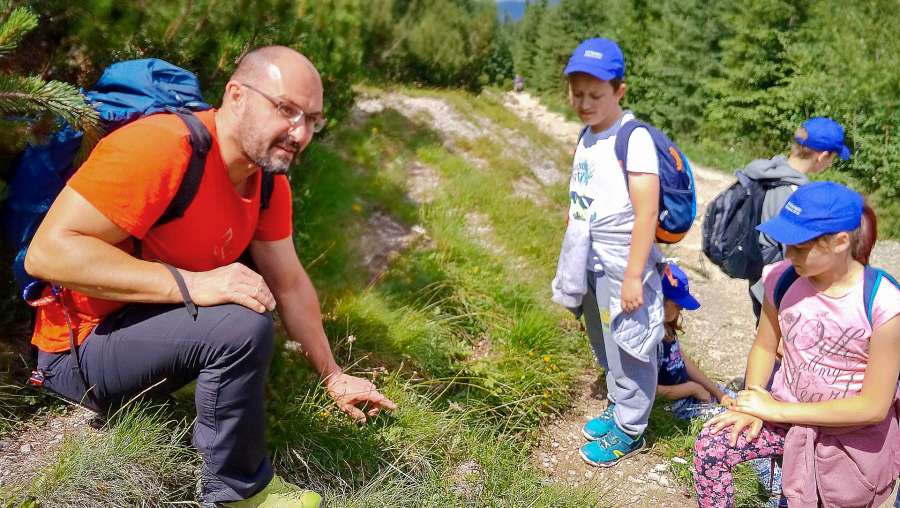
(268, 155)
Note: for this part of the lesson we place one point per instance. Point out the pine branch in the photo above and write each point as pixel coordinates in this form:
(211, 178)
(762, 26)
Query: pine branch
(32, 95)
(19, 22)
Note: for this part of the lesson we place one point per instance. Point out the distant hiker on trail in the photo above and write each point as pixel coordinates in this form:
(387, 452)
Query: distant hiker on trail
(679, 379)
(607, 267)
(154, 308)
(833, 410)
(813, 149)
(518, 83)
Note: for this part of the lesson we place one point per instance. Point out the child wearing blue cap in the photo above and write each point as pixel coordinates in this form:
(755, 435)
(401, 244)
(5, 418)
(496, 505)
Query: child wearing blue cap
(608, 264)
(814, 147)
(833, 411)
(680, 380)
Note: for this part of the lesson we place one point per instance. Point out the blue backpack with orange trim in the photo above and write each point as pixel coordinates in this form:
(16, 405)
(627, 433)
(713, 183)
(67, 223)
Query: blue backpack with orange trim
(677, 194)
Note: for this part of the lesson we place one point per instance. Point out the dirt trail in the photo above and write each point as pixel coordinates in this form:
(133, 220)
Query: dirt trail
(718, 336)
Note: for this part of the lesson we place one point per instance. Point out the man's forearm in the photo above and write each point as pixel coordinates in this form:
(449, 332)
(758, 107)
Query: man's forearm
(95, 268)
(300, 312)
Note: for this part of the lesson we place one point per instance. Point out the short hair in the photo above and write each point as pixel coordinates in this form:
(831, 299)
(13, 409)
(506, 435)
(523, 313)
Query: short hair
(800, 151)
(616, 83)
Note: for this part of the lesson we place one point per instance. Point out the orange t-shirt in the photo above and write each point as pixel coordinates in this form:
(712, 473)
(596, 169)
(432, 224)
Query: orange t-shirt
(131, 177)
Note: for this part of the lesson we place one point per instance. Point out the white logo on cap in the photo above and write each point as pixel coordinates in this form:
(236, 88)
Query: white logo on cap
(794, 209)
(593, 54)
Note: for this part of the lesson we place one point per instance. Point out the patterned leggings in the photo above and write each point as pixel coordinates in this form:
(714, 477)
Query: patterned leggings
(714, 457)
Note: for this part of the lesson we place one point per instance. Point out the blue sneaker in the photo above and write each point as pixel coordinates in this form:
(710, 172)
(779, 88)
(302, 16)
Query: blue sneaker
(608, 450)
(595, 428)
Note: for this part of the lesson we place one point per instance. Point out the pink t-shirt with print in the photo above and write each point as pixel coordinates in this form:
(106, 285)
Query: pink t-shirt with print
(825, 339)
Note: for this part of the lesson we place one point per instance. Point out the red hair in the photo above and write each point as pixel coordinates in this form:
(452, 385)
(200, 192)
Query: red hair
(864, 238)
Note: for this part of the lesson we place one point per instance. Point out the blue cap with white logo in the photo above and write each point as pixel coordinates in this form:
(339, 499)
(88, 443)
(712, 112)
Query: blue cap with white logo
(825, 135)
(813, 210)
(675, 287)
(598, 57)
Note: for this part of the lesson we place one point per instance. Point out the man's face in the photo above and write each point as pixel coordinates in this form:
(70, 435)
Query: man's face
(268, 131)
(595, 101)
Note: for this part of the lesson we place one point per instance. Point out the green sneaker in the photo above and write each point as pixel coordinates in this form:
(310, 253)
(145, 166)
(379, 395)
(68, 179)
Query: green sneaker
(279, 494)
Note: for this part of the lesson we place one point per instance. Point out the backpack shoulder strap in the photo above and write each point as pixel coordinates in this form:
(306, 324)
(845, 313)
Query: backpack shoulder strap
(872, 280)
(784, 283)
(267, 187)
(201, 141)
(581, 135)
(622, 137)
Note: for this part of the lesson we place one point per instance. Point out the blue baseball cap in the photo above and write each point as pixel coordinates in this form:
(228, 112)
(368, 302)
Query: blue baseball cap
(598, 57)
(813, 210)
(825, 135)
(675, 287)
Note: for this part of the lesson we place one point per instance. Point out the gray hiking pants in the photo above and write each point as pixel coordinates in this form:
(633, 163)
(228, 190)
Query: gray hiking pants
(630, 383)
(227, 350)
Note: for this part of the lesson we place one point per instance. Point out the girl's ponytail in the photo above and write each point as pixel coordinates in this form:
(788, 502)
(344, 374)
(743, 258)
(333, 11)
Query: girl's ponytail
(863, 239)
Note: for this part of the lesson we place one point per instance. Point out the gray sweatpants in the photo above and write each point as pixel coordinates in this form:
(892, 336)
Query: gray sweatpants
(630, 383)
(227, 350)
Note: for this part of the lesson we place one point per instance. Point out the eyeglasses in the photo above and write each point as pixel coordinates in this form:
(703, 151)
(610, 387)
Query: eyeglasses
(293, 114)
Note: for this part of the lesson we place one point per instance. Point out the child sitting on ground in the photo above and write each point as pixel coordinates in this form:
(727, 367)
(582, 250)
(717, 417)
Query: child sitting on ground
(834, 407)
(679, 379)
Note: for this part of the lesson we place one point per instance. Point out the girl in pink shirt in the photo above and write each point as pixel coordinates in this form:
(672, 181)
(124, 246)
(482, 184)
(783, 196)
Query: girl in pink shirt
(835, 398)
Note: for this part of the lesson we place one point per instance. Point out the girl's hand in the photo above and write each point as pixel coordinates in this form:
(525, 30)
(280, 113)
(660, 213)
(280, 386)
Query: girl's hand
(758, 402)
(737, 421)
(632, 293)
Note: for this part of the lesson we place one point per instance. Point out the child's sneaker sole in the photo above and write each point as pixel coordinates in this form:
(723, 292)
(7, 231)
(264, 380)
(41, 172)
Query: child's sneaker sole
(636, 451)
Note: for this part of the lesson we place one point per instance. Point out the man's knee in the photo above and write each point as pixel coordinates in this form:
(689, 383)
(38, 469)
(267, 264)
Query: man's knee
(246, 329)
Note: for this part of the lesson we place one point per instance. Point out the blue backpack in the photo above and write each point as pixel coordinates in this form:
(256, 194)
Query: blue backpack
(872, 280)
(125, 92)
(677, 194)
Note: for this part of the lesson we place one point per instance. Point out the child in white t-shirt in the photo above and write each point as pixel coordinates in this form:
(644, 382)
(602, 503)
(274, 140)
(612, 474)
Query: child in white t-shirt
(610, 242)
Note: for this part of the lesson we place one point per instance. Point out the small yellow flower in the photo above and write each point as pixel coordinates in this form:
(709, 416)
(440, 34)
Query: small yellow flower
(531, 353)
(357, 207)
(547, 358)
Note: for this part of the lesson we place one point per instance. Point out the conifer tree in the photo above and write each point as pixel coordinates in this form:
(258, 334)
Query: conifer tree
(32, 95)
(748, 101)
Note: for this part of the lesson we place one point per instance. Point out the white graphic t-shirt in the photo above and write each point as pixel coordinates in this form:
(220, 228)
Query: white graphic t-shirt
(598, 187)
